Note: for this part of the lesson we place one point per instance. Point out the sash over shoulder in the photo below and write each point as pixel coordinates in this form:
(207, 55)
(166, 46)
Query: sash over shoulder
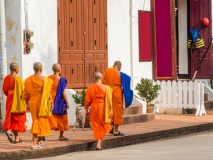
(59, 102)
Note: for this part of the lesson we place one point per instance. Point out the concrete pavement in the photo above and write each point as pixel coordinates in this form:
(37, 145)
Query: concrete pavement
(164, 126)
(197, 146)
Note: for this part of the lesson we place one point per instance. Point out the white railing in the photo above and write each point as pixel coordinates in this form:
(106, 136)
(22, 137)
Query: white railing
(187, 95)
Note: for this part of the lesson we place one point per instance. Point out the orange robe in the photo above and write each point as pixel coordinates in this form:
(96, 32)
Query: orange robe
(112, 79)
(95, 97)
(13, 121)
(57, 122)
(33, 88)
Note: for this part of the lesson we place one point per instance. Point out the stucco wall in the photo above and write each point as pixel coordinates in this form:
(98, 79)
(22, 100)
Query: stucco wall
(119, 37)
(42, 20)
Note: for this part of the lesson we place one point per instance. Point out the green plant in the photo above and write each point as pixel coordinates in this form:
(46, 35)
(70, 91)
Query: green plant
(79, 98)
(147, 90)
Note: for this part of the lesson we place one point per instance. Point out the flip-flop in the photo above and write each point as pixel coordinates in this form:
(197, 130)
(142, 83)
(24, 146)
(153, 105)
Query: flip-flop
(40, 144)
(98, 149)
(9, 137)
(36, 147)
(119, 134)
(111, 132)
(63, 139)
(19, 141)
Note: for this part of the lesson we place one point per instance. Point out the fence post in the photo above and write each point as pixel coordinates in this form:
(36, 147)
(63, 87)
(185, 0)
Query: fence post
(197, 97)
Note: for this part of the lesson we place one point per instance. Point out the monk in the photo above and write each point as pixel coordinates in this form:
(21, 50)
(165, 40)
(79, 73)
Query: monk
(15, 120)
(59, 118)
(36, 89)
(112, 78)
(99, 96)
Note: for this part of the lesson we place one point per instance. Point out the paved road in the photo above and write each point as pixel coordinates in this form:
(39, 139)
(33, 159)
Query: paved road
(191, 147)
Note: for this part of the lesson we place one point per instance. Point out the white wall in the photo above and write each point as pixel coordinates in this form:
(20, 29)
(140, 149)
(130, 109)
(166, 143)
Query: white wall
(42, 19)
(119, 37)
(182, 27)
(14, 33)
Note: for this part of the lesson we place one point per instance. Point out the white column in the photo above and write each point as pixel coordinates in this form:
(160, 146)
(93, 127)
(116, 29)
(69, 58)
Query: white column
(3, 55)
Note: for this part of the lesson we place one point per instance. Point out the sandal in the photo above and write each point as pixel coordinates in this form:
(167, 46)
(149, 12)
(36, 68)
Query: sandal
(9, 137)
(19, 141)
(63, 139)
(43, 138)
(111, 132)
(119, 134)
(98, 149)
(36, 147)
(40, 144)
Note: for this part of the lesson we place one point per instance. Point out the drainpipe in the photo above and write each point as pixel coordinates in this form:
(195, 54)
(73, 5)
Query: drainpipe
(3, 56)
(131, 50)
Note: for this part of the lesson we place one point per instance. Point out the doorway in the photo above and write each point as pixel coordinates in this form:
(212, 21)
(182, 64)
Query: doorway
(82, 40)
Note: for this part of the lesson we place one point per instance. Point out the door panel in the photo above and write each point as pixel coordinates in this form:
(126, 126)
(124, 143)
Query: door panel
(198, 10)
(82, 40)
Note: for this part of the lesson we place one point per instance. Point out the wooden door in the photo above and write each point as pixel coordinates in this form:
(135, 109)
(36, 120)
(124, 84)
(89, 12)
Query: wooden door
(82, 39)
(198, 10)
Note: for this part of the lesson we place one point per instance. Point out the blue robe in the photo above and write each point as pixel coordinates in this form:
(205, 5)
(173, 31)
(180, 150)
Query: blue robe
(59, 102)
(128, 93)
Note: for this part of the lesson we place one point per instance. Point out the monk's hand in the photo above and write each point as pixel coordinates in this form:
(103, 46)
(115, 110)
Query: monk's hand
(87, 113)
(52, 106)
(111, 114)
(28, 108)
(67, 107)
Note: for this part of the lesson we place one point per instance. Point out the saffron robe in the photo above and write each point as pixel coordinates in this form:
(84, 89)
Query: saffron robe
(108, 107)
(112, 79)
(95, 98)
(13, 121)
(33, 88)
(58, 122)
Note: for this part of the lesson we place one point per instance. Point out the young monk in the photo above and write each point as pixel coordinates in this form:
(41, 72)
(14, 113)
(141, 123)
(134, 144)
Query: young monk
(15, 107)
(59, 118)
(37, 90)
(99, 96)
(112, 78)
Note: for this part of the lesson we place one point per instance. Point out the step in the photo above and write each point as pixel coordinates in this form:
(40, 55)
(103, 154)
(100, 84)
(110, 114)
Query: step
(138, 118)
(205, 96)
(208, 105)
(132, 110)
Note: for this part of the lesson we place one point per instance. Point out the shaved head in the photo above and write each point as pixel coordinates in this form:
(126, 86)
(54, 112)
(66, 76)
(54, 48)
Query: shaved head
(97, 76)
(13, 66)
(37, 66)
(56, 67)
(117, 64)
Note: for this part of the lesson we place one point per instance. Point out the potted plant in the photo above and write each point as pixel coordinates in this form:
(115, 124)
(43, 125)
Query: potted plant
(147, 91)
(79, 100)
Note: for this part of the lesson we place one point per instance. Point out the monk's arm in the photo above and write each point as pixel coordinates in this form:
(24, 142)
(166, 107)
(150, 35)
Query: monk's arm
(5, 88)
(104, 78)
(66, 100)
(88, 100)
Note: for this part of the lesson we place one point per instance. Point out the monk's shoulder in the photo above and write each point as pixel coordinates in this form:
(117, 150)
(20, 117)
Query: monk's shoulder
(28, 78)
(7, 77)
(109, 70)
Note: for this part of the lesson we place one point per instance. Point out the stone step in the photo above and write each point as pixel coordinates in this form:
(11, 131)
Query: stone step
(205, 96)
(208, 105)
(132, 110)
(138, 118)
(209, 112)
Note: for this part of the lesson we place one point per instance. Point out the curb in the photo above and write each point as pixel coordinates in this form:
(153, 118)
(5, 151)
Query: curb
(107, 143)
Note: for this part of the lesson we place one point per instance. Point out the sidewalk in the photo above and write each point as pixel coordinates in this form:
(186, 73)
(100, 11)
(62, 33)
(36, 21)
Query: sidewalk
(163, 126)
